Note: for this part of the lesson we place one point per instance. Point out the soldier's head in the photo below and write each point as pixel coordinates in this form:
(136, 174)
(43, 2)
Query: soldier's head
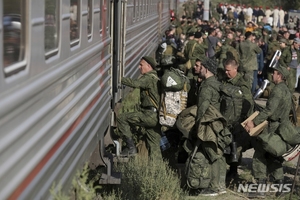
(286, 35)
(248, 35)
(197, 66)
(208, 68)
(296, 43)
(198, 37)
(231, 67)
(147, 64)
(283, 42)
(280, 74)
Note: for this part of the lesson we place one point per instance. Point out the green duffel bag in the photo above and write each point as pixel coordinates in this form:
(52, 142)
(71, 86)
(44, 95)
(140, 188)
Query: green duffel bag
(186, 120)
(273, 143)
(289, 133)
(198, 171)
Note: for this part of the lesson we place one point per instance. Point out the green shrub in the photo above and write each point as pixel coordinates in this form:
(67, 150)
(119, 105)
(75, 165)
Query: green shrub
(144, 179)
(82, 187)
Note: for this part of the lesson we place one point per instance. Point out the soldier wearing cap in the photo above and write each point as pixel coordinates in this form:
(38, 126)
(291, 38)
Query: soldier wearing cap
(147, 115)
(248, 52)
(276, 113)
(286, 56)
(208, 95)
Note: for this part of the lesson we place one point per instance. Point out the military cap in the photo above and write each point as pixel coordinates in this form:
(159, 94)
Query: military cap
(284, 71)
(296, 40)
(282, 40)
(150, 60)
(190, 34)
(198, 34)
(210, 64)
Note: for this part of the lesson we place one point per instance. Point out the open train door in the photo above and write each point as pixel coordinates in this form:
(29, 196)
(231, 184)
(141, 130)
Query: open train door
(118, 31)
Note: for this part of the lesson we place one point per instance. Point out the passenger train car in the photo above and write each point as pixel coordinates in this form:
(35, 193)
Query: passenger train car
(62, 61)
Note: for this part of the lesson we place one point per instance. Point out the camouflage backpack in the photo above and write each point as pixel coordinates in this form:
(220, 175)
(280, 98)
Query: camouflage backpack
(175, 87)
(197, 170)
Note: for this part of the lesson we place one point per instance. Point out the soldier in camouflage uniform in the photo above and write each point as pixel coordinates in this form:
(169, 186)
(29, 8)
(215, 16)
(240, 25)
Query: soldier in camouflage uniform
(189, 8)
(248, 52)
(273, 46)
(276, 112)
(243, 140)
(147, 116)
(208, 94)
(285, 60)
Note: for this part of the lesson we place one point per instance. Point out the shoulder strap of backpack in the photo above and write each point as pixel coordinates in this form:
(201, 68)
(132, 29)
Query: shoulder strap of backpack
(148, 94)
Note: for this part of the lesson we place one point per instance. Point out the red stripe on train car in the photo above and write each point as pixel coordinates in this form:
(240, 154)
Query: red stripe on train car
(38, 168)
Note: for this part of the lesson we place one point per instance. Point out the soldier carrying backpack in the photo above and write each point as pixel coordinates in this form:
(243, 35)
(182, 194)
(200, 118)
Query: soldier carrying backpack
(236, 105)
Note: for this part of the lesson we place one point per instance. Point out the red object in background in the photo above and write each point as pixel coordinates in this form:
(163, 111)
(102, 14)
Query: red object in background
(172, 15)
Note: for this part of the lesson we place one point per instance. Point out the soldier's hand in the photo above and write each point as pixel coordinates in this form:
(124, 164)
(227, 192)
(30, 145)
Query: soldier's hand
(288, 68)
(249, 125)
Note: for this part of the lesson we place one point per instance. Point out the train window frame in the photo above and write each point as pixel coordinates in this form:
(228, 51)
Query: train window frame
(134, 11)
(100, 16)
(90, 18)
(54, 51)
(20, 64)
(75, 42)
(108, 16)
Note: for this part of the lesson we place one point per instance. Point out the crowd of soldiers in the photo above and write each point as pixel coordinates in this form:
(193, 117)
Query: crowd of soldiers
(227, 53)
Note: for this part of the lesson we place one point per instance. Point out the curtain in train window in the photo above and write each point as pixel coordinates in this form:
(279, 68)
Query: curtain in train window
(89, 18)
(13, 34)
(74, 19)
(51, 27)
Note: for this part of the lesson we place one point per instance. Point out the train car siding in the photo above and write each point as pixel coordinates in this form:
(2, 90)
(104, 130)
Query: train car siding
(62, 64)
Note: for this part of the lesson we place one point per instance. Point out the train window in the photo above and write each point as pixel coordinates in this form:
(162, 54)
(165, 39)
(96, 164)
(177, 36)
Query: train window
(74, 21)
(51, 27)
(13, 36)
(89, 18)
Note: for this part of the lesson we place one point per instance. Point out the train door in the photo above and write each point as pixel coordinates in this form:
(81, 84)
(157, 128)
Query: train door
(117, 34)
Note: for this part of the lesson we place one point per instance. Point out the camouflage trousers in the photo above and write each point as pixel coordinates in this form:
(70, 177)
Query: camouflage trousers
(146, 119)
(264, 163)
(218, 167)
(291, 79)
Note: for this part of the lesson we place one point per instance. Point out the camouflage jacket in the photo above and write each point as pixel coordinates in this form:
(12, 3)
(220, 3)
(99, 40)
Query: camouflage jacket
(272, 48)
(286, 57)
(149, 88)
(278, 105)
(208, 94)
(223, 53)
(243, 81)
(248, 52)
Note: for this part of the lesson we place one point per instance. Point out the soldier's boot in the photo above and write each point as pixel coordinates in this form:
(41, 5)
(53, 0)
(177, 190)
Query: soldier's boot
(259, 194)
(131, 148)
